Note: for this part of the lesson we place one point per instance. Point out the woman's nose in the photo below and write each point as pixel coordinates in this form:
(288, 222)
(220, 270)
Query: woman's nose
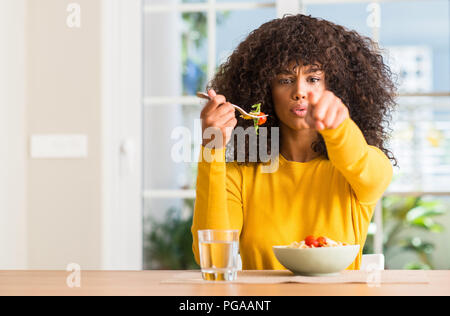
(299, 94)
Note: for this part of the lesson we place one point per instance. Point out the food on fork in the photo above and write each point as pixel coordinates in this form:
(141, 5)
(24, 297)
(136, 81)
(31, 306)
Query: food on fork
(256, 111)
(312, 242)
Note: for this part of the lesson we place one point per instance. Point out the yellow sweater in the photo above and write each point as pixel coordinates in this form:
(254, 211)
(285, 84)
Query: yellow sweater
(333, 198)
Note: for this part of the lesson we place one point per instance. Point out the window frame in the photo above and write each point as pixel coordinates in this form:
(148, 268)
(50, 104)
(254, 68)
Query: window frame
(122, 230)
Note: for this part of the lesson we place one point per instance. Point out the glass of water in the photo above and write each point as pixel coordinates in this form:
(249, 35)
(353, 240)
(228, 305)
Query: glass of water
(219, 254)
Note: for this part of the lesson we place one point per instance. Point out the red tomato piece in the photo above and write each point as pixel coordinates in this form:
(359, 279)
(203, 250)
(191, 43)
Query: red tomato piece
(322, 241)
(310, 241)
(262, 119)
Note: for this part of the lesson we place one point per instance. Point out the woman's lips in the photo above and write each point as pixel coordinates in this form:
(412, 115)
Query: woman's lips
(299, 111)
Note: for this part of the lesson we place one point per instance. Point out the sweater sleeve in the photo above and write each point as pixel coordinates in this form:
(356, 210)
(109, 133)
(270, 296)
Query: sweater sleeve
(365, 167)
(218, 203)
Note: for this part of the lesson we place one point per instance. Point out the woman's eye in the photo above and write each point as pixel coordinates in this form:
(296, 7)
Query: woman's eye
(314, 80)
(285, 81)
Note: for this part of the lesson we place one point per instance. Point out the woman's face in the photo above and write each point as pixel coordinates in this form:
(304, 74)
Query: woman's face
(290, 93)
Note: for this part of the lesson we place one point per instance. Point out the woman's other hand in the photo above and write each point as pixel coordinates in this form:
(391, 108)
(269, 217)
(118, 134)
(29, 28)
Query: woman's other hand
(326, 111)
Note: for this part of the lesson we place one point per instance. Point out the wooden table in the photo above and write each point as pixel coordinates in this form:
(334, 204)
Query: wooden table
(148, 283)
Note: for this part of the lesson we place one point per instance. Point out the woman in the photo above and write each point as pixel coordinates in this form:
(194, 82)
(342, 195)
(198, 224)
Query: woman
(330, 94)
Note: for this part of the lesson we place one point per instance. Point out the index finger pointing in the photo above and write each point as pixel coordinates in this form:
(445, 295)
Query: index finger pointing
(313, 98)
(324, 103)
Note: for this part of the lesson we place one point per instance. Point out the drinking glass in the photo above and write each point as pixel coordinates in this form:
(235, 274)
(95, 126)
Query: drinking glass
(219, 254)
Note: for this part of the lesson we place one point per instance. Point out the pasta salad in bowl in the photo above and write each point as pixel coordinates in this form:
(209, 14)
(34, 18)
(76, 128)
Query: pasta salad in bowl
(316, 256)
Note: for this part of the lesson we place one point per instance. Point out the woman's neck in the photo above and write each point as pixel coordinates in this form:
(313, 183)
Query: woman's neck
(296, 144)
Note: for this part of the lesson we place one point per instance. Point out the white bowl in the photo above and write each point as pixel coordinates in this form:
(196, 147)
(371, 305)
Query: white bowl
(316, 261)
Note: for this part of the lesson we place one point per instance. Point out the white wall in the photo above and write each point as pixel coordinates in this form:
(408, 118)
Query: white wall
(12, 136)
(64, 97)
(59, 211)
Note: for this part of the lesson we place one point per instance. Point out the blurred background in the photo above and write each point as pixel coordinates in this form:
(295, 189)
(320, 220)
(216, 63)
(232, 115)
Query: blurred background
(91, 92)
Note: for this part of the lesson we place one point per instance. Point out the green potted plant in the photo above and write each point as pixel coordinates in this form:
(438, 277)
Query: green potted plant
(168, 245)
(407, 224)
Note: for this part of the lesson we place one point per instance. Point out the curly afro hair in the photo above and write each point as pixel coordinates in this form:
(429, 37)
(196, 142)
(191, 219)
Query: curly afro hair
(353, 66)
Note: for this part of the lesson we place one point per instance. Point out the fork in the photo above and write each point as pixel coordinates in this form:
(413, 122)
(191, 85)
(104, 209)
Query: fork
(203, 95)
